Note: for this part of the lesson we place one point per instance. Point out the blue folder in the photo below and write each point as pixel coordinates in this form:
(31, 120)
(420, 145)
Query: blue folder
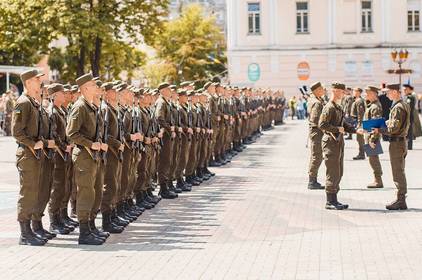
(368, 125)
(373, 152)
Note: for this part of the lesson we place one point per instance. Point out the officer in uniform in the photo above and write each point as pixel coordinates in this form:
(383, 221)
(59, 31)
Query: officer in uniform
(332, 123)
(411, 101)
(357, 112)
(315, 105)
(83, 122)
(26, 131)
(168, 133)
(397, 129)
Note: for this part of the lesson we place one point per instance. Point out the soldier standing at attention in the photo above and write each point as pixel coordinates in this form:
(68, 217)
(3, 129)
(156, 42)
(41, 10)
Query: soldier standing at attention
(168, 133)
(316, 103)
(373, 111)
(26, 131)
(397, 128)
(347, 102)
(411, 101)
(81, 130)
(333, 125)
(357, 112)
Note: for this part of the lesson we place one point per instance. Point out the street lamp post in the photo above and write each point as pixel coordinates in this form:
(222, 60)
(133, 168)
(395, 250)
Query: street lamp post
(400, 58)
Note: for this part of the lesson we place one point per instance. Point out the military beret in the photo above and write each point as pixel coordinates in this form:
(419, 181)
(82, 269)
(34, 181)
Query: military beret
(107, 86)
(173, 87)
(372, 88)
(358, 89)
(163, 86)
(408, 86)
(182, 92)
(67, 87)
(316, 85)
(30, 74)
(337, 85)
(75, 88)
(187, 83)
(207, 85)
(190, 93)
(84, 79)
(393, 86)
(53, 88)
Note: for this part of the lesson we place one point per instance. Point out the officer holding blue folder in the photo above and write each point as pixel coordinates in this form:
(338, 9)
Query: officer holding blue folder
(373, 111)
(397, 128)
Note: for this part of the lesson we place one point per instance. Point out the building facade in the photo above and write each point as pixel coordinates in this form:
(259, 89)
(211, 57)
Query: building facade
(290, 43)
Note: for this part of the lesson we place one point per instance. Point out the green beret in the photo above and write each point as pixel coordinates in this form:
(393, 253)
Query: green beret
(393, 86)
(25, 76)
(372, 88)
(316, 85)
(107, 86)
(182, 92)
(337, 85)
(53, 88)
(163, 86)
(84, 79)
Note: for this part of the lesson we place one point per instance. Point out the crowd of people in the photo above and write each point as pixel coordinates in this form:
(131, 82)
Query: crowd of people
(103, 147)
(334, 118)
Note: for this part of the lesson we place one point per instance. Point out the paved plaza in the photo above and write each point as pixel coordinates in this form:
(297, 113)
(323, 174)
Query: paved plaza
(254, 220)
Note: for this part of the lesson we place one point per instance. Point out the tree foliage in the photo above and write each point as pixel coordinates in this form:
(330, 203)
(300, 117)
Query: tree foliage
(192, 45)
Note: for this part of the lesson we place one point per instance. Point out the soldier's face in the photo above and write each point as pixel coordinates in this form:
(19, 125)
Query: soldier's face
(183, 99)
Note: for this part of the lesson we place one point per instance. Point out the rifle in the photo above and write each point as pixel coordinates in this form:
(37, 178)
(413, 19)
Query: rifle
(155, 127)
(120, 132)
(198, 121)
(139, 128)
(134, 126)
(95, 154)
(179, 120)
(209, 122)
(105, 135)
(171, 119)
(50, 152)
(37, 153)
(189, 119)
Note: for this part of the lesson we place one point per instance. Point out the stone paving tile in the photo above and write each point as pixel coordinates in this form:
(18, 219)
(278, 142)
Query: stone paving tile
(254, 220)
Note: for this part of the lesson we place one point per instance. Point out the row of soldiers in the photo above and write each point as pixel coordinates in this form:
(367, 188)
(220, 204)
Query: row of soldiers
(328, 122)
(109, 145)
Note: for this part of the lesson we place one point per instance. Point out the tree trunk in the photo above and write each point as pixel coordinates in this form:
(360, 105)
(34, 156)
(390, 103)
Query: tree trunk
(81, 59)
(95, 57)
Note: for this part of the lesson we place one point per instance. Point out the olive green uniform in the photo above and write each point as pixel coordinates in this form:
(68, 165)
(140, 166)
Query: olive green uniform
(315, 106)
(332, 117)
(357, 112)
(25, 131)
(81, 130)
(374, 111)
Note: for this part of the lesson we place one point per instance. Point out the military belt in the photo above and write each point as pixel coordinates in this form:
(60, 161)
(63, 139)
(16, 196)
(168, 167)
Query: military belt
(396, 139)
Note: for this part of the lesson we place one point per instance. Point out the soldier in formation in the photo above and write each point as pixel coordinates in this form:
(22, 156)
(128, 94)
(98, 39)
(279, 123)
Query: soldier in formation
(104, 147)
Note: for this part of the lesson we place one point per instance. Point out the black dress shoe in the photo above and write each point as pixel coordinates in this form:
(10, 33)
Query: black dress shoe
(167, 194)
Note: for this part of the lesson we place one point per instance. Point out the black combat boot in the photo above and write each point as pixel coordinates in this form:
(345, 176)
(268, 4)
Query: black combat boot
(190, 180)
(205, 174)
(100, 234)
(214, 163)
(39, 230)
(65, 217)
(140, 201)
(359, 157)
(398, 204)
(186, 184)
(152, 196)
(314, 185)
(73, 209)
(119, 221)
(128, 211)
(165, 193)
(110, 227)
(28, 237)
(86, 237)
(56, 225)
(172, 188)
(135, 208)
(122, 214)
(181, 185)
(333, 204)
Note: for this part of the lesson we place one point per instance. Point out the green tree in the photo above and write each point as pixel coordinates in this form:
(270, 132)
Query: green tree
(192, 45)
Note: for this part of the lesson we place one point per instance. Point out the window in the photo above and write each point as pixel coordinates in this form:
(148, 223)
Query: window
(302, 17)
(254, 18)
(366, 16)
(413, 12)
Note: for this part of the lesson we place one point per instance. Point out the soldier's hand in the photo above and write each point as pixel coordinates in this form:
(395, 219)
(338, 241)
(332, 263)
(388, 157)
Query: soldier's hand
(203, 131)
(173, 134)
(341, 129)
(172, 128)
(38, 145)
(138, 136)
(218, 118)
(133, 137)
(372, 145)
(104, 147)
(69, 149)
(51, 144)
(160, 134)
(360, 131)
(141, 137)
(190, 130)
(180, 129)
(96, 146)
(198, 130)
(122, 147)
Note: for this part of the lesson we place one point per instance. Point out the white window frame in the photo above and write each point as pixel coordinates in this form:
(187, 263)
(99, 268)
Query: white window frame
(413, 10)
(254, 14)
(302, 14)
(367, 25)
